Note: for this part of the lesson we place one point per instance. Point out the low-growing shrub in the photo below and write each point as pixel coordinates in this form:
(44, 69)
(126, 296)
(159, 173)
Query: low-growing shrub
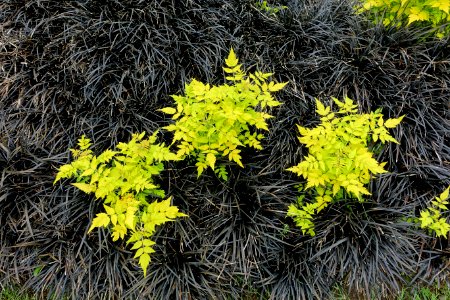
(432, 218)
(406, 12)
(216, 120)
(340, 162)
(124, 180)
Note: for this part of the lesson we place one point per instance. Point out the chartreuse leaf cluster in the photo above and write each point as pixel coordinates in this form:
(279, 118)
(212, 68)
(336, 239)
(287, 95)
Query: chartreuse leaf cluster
(123, 180)
(406, 12)
(215, 121)
(432, 218)
(270, 9)
(340, 162)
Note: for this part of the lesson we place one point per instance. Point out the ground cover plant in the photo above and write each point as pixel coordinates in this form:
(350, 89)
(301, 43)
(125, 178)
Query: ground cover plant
(104, 69)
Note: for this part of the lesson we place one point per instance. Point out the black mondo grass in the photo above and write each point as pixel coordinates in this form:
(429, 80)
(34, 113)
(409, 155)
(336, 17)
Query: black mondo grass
(103, 69)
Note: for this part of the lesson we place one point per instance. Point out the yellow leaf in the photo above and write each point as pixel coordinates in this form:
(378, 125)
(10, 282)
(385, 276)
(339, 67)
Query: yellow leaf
(444, 194)
(114, 219)
(168, 110)
(368, 4)
(391, 123)
(129, 217)
(303, 131)
(228, 70)
(425, 219)
(87, 172)
(109, 210)
(137, 245)
(417, 14)
(276, 87)
(85, 187)
(231, 61)
(148, 243)
(338, 103)
(106, 156)
(211, 160)
(64, 172)
(321, 110)
(101, 220)
(380, 121)
(119, 231)
(200, 168)
(234, 156)
(144, 260)
(443, 5)
(139, 252)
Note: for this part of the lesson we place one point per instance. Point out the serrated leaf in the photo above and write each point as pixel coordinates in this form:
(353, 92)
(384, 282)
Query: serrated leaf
(137, 245)
(380, 122)
(417, 14)
(144, 260)
(87, 172)
(101, 220)
(139, 252)
(392, 123)
(65, 171)
(211, 160)
(129, 217)
(231, 61)
(148, 243)
(321, 108)
(109, 210)
(277, 87)
(85, 187)
(444, 194)
(443, 5)
(106, 156)
(119, 232)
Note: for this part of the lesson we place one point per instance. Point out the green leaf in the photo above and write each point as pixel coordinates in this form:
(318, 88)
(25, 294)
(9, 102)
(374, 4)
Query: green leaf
(37, 271)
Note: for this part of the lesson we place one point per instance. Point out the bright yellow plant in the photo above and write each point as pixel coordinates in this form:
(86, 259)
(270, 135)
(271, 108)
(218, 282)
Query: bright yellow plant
(339, 161)
(213, 121)
(406, 12)
(431, 218)
(124, 181)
